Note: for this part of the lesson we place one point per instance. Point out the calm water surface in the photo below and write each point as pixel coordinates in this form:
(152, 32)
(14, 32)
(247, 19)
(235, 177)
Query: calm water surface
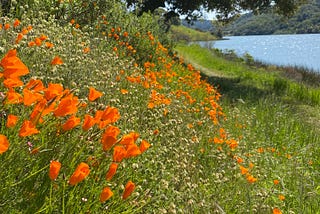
(296, 50)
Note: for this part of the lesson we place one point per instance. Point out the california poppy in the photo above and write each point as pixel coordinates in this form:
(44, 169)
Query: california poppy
(4, 144)
(54, 169)
(28, 129)
(129, 139)
(144, 145)
(112, 171)
(53, 90)
(19, 37)
(49, 44)
(88, 122)
(119, 153)
(56, 61)
(243, 170)
(43, 37)
(13, 67)
(11, 121)
(106, 194)
(6, 26)
(38, 41)
(281, 197)
(37, 111)
(276, 211)
(30, 97)
(12, 82)
(81, 172)
(35, 85)
(109, 137)
(72, 122)
(94, 94)
(130, 186)
(251, 179)
(86, 50)
(16, 23)
(67, 106)
(132, 151)
(13, 97)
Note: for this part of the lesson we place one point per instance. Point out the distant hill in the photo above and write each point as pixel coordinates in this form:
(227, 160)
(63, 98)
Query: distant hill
(305, 20)
(201, 25)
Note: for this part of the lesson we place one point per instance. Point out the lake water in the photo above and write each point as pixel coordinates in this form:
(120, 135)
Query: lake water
(295, 50)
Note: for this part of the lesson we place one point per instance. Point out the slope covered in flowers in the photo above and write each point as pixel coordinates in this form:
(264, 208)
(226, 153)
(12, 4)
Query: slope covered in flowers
(108, 120)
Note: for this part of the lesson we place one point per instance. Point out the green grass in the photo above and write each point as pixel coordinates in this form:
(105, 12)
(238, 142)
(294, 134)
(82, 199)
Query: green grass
(182, 33)
(200, 131)
(278, 115)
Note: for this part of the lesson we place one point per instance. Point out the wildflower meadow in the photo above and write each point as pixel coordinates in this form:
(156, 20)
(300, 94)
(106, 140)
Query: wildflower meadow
(100, 115)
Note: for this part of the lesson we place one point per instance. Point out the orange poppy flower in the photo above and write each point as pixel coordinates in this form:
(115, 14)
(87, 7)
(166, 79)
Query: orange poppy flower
(110, 115)
(49, 44)
(38, 41)
(72, 122)
(112, 171)
(54, 169)
(119, 153)
(144, 145)
(16, 23)
(31, 43)
(106, 194)
(37, 111)
(19, 37)
(12, 82)
(86, 50)
(276, 211)
(129, 139)
(43, 37)
(243, 170)
(13, 67)
(27, 129)
(281, 197)
(94, 94)
(130, 186)
(132, 151)
(12, 120)
(109, 137)
(4, 144)
(124, 91)
(24, 31)
(88, 122)
(67, 106)
(56, 61)
(276, 182)
(72, 21)
(53, 91)
(30, 97)
(81, 172)
(13, 97)
(6, 26)
(35, 85)
(251, 179)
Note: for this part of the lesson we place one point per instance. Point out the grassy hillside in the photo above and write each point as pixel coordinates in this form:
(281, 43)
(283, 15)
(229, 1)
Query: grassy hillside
(182, 33)
(101, 117)
(305, 20)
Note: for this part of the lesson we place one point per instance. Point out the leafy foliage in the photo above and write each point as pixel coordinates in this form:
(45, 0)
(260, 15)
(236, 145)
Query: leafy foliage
(225, 9)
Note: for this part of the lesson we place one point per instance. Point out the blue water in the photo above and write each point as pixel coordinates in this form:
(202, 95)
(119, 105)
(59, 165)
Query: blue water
(301, 50)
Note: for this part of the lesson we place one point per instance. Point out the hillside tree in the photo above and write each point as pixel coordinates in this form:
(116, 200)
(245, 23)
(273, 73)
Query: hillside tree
(225, 9)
